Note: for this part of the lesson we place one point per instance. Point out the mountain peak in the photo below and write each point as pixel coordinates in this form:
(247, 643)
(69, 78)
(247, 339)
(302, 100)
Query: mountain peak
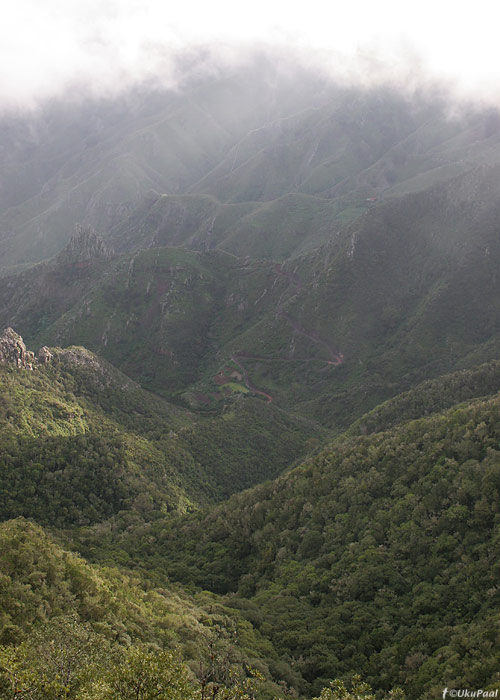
(84, 247)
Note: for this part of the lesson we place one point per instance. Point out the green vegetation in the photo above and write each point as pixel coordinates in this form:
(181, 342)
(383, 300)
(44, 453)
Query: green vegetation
(358, 691)
(66, 631)
(70, 457)
(64, 481)
(379, 555)
(65, 625)
(290, 472)
(81, 443)
(431, 396)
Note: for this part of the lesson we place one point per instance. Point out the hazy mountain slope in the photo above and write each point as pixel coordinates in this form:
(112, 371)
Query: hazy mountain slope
(377, 556)
(317, 148)
(346, 150)
(287, 226)
(178, 220)
(409, 291)
(92, 162)
(254, 134)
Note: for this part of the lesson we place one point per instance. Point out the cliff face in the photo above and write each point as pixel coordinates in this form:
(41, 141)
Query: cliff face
(13, 350)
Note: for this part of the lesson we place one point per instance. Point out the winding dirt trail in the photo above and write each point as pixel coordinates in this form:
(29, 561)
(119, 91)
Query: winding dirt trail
(248, 383)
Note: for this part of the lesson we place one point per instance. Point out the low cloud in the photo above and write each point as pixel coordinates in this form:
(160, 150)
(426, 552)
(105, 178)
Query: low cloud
(102, 47)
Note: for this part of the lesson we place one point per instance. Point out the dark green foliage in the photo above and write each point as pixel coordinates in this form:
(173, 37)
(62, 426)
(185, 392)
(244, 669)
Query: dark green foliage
(250, 443)
(379, 555)
(430, 397)
(54, 608)
(81, 443)
(63, 481)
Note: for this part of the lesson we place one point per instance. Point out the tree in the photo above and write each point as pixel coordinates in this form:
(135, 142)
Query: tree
(146, 675)
(359, 691)
(53, 663)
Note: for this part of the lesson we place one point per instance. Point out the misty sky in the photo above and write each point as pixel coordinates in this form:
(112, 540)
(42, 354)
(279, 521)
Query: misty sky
(48, 46)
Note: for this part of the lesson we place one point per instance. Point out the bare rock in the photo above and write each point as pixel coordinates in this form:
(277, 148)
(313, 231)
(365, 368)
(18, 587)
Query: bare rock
(13, 350)
(84, 247)
(44, 355)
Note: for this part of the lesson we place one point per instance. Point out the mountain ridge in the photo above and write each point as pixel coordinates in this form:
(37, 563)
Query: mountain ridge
(217, 138)
(266, 396)
(404, 293)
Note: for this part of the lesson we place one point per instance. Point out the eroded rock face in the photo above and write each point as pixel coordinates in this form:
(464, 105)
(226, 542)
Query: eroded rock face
(79, 356)
(13, 350)
(44, 355)
(84, 247)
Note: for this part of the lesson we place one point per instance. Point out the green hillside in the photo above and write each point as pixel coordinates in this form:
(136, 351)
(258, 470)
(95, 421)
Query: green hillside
(378, 556)
(85, 632)
(256, 455)
(68, 629)
(431, 396)
(82, 443)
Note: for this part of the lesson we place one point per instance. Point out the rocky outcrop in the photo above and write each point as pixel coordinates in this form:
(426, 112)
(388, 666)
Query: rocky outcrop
(84, 247)
(13, 350)
(44, 355)
(78, 356)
